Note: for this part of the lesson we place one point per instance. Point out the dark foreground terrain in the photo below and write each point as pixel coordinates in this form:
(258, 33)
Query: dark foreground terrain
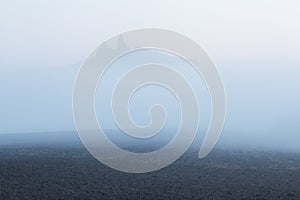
(71, 173)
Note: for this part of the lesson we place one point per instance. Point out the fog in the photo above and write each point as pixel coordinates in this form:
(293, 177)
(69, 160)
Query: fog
(255, 47)
(262, 106)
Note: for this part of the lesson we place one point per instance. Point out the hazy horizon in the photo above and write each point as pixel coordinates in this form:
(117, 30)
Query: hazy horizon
(255, 45)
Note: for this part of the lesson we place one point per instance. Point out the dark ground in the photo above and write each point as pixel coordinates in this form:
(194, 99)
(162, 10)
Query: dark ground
(71, 173)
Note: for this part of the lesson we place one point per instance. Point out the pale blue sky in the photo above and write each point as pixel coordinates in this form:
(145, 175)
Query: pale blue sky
(255, 45)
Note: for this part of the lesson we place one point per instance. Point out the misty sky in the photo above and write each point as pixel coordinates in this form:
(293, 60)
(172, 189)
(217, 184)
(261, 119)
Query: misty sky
(255, 45)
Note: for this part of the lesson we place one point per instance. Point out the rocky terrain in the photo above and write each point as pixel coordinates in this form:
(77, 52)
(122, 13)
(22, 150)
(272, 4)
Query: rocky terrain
(72, 173)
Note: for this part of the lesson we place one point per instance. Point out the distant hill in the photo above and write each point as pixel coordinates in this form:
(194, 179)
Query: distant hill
(39, 139)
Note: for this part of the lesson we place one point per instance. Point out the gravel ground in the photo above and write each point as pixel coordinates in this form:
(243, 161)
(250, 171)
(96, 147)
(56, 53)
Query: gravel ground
(71, 173)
